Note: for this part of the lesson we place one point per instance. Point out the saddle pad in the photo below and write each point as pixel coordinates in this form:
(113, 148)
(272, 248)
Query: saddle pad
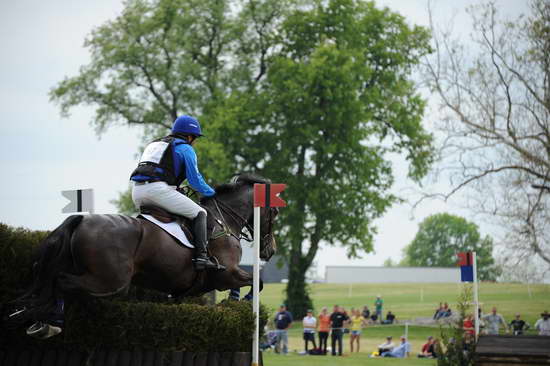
(171, 228)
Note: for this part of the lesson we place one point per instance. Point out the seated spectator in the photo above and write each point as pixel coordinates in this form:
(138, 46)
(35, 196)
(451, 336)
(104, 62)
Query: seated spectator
(401, 351)
(374, 318)
(438, 310)
(518, 325)
(428, 349)
(390, 318)
(386, 346)
(444, 312)
(366, 312)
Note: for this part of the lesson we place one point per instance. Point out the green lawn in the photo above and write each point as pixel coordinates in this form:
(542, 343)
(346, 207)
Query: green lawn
(407, 301)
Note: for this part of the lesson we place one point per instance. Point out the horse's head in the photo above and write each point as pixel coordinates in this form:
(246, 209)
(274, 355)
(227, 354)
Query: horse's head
(236, 200)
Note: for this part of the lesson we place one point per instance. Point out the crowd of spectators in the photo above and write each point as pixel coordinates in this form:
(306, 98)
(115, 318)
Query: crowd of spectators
(340, 321)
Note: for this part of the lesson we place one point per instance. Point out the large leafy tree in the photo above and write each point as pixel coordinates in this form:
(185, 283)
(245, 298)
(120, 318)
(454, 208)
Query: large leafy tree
(337, 99)
(315, 94)
(442, 236)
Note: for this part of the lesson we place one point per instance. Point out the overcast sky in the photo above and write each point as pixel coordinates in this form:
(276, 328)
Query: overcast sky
(43, 154)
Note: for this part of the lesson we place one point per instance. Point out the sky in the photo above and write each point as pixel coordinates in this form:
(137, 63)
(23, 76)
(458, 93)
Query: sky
(43, 154)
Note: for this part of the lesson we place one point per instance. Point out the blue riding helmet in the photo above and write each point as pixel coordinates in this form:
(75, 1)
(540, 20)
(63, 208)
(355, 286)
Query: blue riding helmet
(187, 125)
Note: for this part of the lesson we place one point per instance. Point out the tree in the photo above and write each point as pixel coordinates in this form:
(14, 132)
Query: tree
(495, 95)
(442, 236)
(315, 94)
(336, 101)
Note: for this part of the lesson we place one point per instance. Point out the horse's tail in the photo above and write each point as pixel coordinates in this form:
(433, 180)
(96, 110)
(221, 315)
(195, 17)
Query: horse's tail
(54, 256)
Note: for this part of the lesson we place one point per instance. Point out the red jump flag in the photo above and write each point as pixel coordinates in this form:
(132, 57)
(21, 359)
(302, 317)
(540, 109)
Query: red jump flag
(267, 195)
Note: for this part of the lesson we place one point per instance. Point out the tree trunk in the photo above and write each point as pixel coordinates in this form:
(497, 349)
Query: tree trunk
(297, 293)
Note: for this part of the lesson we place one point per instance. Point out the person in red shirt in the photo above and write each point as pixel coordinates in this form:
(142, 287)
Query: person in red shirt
(428, 349)
(468, 325)
(324, 328)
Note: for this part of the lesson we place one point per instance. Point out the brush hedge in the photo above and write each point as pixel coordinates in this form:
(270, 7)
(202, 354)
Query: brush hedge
(159, 323)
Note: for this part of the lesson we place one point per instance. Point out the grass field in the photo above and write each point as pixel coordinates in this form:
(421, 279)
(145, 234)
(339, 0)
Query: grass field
(407, 301)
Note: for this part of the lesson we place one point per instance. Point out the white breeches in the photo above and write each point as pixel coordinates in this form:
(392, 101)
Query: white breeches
(165, 196)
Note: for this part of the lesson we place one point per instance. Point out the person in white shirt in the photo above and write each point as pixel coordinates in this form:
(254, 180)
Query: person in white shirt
(543, 324)
(310, 324)
(386, 346)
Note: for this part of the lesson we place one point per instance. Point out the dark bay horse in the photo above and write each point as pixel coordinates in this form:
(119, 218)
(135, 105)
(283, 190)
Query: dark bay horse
(101, 255)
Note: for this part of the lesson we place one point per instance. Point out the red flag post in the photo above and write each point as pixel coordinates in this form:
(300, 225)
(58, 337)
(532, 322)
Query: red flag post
(265, 195)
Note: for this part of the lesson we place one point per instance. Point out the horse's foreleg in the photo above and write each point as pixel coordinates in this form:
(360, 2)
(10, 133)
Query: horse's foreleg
(250, 295)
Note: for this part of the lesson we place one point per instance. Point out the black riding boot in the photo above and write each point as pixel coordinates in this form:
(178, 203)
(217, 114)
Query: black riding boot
(201, 260)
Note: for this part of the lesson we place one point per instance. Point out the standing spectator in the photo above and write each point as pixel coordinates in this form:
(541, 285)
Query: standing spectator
(468, 325)
(494, 321)
(366, 312)
(337, 320)
(386, 346)
(324, 329)
(543, 324)
(283, 319)
(310, 324)
(401, 351)
(390, 318)
(428, 349)
(378, 305)
(357, 323)
(518, 325)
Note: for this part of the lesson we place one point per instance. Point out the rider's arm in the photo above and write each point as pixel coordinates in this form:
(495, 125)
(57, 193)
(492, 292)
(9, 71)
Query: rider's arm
(194, 177)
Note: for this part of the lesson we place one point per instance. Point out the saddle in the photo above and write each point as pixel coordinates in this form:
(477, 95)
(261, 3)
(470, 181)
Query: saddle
(166, 217)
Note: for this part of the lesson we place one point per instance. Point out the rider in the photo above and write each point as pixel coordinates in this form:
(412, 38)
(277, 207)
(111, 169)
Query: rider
(164, 165)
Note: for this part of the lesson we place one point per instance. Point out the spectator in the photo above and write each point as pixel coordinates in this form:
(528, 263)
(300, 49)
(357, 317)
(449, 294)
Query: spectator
(428, 349)
(401, 351)
(337, 320)
(366, 312)
(444, 312)
(374, 318)
(493, 322)
(438, 310)
(357, 323)
(324, 329)
(390, 318)
(283, 320)
(310, 324)
(543, 324)
(518, 325)
(468, 325)
(378, 305)
(386, 346)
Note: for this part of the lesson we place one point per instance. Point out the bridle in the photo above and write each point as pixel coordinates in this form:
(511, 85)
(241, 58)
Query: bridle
(241, 222)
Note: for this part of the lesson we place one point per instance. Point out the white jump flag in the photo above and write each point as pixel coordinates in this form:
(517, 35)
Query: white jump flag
(82, 200)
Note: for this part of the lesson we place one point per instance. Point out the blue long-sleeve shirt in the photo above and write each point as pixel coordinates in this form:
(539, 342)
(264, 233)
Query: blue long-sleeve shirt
(186, 153)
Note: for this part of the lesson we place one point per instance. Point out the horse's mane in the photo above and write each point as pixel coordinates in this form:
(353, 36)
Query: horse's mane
(237, 182)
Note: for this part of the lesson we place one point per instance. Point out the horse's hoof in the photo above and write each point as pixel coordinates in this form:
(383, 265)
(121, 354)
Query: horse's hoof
(42, 330)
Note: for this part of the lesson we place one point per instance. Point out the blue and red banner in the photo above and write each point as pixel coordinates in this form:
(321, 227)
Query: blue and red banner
(466, 263)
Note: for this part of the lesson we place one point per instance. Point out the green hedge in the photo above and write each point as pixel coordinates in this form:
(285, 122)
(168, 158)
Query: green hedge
(16, 248)
(159, 323)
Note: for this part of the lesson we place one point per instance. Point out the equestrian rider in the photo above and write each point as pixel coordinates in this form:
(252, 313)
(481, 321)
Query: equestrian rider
(164, 165)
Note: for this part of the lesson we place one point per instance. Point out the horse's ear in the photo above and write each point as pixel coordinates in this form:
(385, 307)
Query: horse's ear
(234, 179)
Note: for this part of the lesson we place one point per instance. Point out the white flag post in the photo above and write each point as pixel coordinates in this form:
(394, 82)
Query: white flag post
(476, 299)
(256, 288)
(265, 195)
